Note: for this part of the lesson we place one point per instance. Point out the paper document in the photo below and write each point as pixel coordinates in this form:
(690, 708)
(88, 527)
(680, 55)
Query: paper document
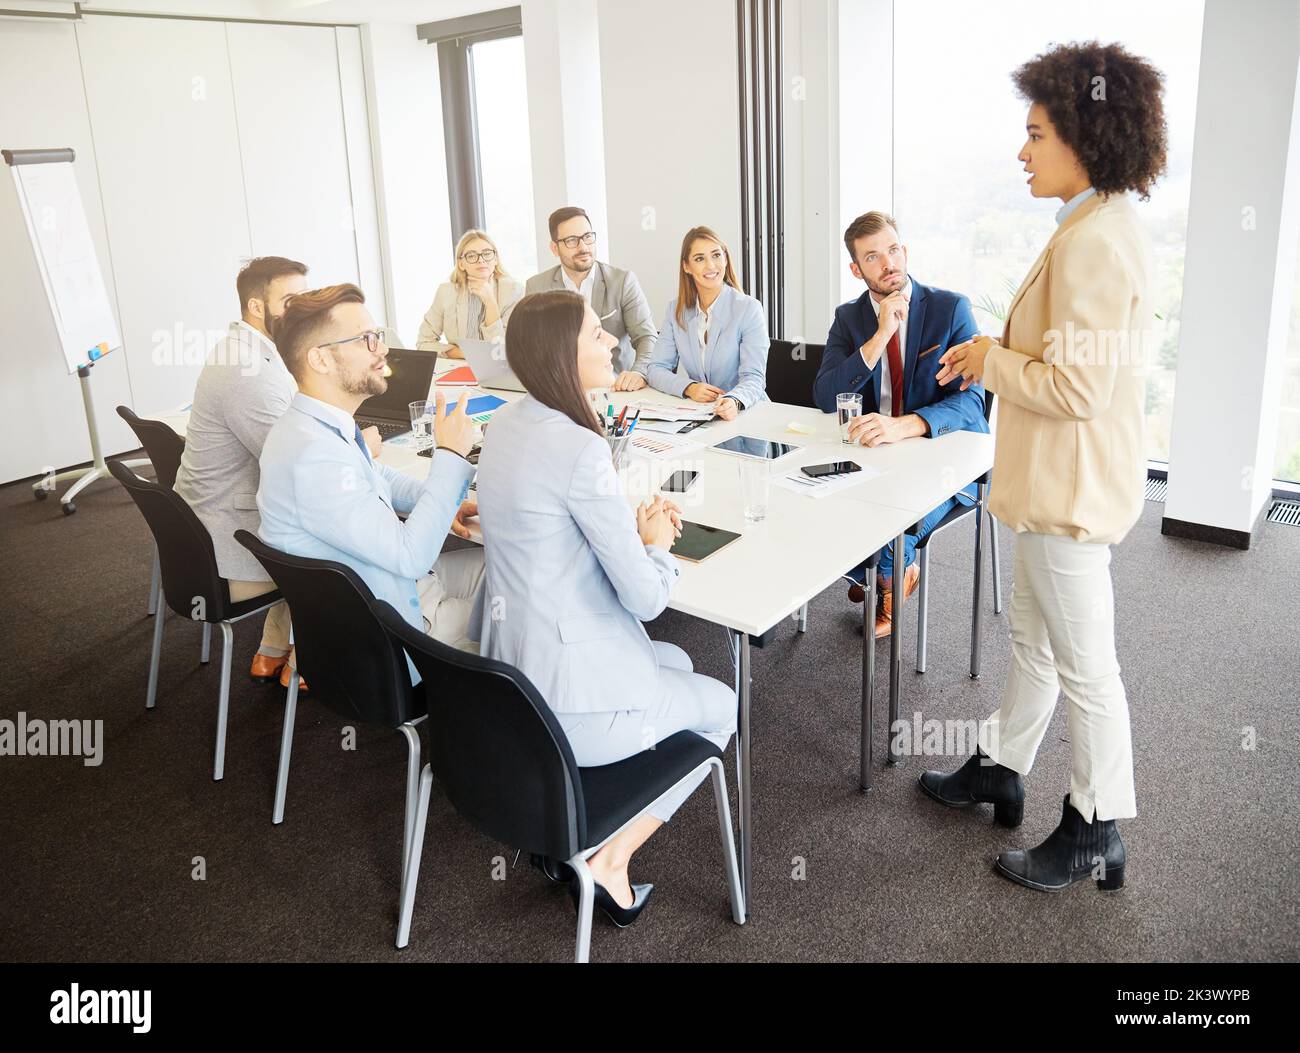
(826, 485)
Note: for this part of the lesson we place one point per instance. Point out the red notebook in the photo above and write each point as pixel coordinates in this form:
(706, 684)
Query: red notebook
(460, 375)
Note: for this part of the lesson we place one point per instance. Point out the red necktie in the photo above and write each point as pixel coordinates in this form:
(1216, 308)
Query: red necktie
(895, 376)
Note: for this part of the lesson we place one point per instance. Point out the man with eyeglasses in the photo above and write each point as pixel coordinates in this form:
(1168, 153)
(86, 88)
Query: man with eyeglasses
(323, 495)
(615, 295)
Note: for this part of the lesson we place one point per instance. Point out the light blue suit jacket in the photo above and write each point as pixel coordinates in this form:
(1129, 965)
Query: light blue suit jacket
(568, 580)
(321, 496)
(738, 346)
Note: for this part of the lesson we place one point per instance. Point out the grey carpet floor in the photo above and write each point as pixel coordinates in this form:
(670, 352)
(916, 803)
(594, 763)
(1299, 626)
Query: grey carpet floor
(99, 863)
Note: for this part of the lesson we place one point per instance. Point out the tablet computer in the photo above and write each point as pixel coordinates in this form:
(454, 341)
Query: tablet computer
(749, 446)
(698, 542)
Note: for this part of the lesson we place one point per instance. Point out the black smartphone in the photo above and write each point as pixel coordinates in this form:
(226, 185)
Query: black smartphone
(679, 482)
(818, 471)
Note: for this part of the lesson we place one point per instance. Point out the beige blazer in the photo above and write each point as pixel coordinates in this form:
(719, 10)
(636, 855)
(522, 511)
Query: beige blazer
(1069, 374)
(447, 318)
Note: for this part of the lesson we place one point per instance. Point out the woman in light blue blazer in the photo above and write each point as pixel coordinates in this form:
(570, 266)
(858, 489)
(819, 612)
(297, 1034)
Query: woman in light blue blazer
(573, 570)
(714, 330)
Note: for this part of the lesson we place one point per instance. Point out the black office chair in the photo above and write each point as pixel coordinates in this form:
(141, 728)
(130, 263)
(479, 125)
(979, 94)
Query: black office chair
(191, 584)
(505, 764)
(923, 562)
(791, 370)
(352, 664)
(164, 448)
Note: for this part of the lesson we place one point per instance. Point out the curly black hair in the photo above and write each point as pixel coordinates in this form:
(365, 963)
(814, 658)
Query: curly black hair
(1116, 124)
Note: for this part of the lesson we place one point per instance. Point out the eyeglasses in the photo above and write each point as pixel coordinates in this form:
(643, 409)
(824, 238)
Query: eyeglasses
(372, 337)
(572, 242)
(487, 256)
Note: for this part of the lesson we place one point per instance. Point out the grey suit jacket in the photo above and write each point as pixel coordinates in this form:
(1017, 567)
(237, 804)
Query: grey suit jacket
(617, 297)
(568, 580)
(243, 389)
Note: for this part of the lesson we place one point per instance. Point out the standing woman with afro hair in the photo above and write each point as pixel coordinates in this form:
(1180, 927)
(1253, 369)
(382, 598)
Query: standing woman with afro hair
(1070, 462)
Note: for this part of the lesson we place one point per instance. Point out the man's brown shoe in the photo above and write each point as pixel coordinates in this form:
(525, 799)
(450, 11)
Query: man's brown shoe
(265, 668)
(885, 619)
(284, 680)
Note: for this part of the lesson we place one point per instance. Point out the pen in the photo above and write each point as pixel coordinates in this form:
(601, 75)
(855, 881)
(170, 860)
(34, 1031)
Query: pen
(619, 423)
(609, 415)
(633, 424)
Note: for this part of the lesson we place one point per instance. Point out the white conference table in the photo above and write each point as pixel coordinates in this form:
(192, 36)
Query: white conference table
(804, 546)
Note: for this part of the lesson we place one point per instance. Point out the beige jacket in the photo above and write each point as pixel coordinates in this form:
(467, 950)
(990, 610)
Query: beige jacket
(447, 318)
(1069, 375)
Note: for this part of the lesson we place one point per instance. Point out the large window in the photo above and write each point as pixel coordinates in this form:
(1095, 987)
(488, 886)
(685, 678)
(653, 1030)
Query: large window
(967, 217)
(485, 131)
(504, 151)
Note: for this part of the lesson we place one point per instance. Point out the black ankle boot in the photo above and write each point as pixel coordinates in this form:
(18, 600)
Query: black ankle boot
(1075, 850)
(979, 781)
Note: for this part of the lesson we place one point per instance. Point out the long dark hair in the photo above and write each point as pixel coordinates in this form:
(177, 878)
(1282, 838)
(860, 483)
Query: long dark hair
(542, 349)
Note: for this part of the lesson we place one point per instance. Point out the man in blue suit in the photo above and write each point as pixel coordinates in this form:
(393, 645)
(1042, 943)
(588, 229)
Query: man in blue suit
(886, 344)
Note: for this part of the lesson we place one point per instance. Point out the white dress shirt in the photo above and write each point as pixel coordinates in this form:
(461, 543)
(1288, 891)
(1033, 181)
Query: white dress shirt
(588, 283)
(886, 385)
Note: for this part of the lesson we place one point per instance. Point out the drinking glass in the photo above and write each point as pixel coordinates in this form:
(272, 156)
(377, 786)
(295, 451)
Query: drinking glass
(755, 488)
(422, 424)
(848, 406)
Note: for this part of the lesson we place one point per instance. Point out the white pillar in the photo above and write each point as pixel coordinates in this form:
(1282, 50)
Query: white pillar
(562, 55)
(1243, 227)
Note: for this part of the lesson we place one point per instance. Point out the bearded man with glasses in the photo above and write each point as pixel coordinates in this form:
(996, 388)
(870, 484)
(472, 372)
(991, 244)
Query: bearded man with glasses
(615, 295)
(323, 496)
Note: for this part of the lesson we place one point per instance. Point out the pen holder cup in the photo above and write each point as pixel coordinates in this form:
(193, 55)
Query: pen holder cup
(618, 449)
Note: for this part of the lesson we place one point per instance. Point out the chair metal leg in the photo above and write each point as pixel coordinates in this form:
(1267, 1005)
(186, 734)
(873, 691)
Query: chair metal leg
(205, 652)
(155, 583)
(728, 842)
(155, 657)
(803, 618)
(412, 737)
(743, 791)
(896, 649)
(922, 603)
(866, 747)
(977, 609)
(286, 747)
(411, 865)
(586, 901)
(223, 704)
(997, 572)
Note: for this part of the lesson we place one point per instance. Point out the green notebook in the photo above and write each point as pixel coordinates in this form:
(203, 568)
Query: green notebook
(698, 542)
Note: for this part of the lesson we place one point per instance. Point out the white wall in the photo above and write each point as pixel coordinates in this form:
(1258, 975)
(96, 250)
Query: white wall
(405, 106)
(199, 143)
(167, 147)
(672, 136)
(1243, 226)
(566, 116)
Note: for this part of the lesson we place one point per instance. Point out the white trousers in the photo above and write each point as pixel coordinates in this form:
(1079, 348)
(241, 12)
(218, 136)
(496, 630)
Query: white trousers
(1063, 640)
(687, 701)
(447, 597)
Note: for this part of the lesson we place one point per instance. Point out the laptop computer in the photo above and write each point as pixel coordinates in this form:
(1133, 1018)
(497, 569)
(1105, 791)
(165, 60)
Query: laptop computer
(488, 360)
(411, 380)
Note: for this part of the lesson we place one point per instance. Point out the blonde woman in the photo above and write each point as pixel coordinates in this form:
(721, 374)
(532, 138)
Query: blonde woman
(473, 302)
(716, 332)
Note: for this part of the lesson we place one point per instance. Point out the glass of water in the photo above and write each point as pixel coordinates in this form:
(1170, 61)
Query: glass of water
(755, 488)
(848, 406)
(422, 424)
